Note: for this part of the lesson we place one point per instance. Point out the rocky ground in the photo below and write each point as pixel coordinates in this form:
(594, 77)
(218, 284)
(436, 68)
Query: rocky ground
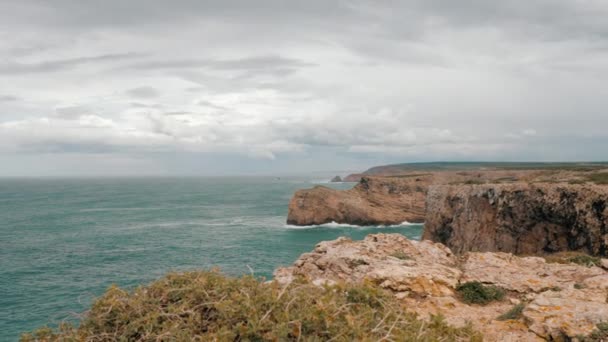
(557, 301)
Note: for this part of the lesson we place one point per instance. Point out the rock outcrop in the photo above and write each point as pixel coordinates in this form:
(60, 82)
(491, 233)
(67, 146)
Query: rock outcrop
(336, 179)
(561, 301)
(519, 218)
(374, 201)
(381, 199)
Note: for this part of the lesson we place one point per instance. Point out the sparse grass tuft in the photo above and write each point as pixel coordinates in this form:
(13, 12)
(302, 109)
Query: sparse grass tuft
(574, 258)
(514, 313)
(401, 255)
(208, 306)
(599, 177)
(475, 292)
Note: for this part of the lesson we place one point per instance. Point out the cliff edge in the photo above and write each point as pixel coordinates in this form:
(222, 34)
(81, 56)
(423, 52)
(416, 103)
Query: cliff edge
(520, 218)
(373, 201)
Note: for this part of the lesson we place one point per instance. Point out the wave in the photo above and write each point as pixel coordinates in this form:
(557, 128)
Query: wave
(334, 224)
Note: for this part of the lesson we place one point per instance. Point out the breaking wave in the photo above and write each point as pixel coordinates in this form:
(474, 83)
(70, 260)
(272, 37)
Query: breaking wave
(347, 225)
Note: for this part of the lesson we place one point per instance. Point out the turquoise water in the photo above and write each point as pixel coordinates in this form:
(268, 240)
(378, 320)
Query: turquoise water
(64, 241)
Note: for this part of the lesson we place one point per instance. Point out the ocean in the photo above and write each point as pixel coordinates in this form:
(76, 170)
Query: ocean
(64, 241)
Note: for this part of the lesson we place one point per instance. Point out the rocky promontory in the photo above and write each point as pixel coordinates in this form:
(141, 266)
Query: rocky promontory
(538, 300)
(373, 201)
(520, 218)
(516, 211)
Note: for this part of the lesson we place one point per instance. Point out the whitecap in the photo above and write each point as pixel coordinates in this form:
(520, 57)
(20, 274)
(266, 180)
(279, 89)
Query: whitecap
(334, 224)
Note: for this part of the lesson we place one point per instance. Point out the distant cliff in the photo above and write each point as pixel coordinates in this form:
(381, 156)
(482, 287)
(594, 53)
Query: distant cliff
(374, 201)
(519, 218)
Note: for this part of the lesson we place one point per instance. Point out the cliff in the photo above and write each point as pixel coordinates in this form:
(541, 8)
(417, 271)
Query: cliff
(530, 300)
(520, 218)
(374, 201)
(384, 199)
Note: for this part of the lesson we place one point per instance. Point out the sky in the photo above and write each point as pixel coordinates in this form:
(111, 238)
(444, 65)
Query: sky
(195, 87)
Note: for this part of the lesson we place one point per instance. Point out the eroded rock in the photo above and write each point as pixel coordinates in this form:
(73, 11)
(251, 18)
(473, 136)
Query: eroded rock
(519, 218)
(562, 300)
(374, 201)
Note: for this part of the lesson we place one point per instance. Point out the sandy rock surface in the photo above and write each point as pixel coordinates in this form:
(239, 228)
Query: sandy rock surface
(561, 300)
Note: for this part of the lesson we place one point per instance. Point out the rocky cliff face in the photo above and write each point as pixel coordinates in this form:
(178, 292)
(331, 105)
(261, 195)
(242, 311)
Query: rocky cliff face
(559, 301)
(383, 199)
(520, 218)
(374, 201)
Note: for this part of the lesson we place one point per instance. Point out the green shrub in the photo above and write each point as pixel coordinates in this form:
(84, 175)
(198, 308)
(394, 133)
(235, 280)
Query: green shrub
(514, 313)
(475, 292)
(207, 306)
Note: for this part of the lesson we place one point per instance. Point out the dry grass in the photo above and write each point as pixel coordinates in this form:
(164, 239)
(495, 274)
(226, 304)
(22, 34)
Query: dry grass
(573, 258)
(208, 306)
(516, 312)
(599, 177)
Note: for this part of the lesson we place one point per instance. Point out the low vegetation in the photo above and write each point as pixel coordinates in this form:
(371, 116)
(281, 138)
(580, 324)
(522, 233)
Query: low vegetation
(475, 292)
(208, 306)
(598, 335)
(515, 312)
(573, 258)
(599, 177)
(401, 255)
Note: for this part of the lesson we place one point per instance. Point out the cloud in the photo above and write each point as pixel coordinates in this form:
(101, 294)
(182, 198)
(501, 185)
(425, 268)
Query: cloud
(318, 84)
(144, 93)
(59, 64)
(8, 98)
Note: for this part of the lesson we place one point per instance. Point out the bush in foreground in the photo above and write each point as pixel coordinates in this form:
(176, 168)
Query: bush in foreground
(207, 306)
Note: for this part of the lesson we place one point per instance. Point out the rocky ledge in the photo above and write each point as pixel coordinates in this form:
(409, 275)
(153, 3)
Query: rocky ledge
(519, 218)
(374, 201)
(546, 301)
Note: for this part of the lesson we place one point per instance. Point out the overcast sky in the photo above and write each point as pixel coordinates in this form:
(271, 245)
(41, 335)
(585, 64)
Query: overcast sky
(151, 87)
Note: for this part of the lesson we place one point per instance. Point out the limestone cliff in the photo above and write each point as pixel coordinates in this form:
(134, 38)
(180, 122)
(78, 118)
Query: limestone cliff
(519, 218)
(374, 201)
(384, 199)
(557, 302)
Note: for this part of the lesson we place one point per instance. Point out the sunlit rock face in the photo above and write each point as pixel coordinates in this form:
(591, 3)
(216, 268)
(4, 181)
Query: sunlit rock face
(374, 201)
